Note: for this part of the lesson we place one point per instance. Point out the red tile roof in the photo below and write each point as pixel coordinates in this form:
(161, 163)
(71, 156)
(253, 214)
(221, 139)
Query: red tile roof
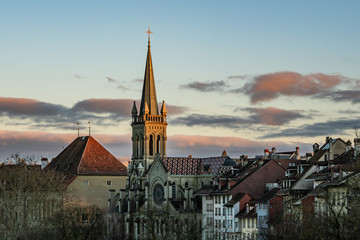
(85, 156)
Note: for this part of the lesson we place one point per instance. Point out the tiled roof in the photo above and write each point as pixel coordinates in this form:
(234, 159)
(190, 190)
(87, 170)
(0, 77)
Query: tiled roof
(269, 195)
(86, 156)
(195, 166)
(235, 199)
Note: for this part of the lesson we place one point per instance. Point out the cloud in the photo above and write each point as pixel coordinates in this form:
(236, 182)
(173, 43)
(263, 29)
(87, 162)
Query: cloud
(205, 86)
(341, 96)
(138, 80)
(24, 106)
(206, 146)
(111, 80)
(273, 116)
(270, 86)
(241, 77)
(123, 88)
(335, 127)
(264, 116)
(78, 76)
(49, 145)
(118, 107)
(37, 114)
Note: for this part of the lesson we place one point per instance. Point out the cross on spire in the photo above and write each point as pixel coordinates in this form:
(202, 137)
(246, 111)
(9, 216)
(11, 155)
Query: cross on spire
(149, 32)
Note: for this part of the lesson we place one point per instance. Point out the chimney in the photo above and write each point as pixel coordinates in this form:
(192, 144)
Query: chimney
(356, 146)
(266, 152)
(190, 156)
(315, 148)
(297, 153)
(273, 150)
(348, 146)
(44, 162)
(331, 150)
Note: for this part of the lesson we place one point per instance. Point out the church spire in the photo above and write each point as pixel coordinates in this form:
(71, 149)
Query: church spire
(149, 92)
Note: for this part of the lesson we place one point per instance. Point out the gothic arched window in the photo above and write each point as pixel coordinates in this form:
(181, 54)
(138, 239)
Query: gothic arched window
(142, 146)
(158, 144)
(151, 145)
(186, 185)
(137, 146)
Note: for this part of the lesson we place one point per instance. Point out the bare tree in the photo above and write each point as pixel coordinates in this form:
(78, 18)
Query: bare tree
(28, 196)
(164, 222)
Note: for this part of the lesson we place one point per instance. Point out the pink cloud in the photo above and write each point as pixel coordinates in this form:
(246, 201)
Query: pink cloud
(51, 144)
(27, 106)
(274, 116)
(273, 85)
(202, 146)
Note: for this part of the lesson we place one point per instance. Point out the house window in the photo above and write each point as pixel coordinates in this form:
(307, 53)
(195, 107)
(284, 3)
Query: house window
(108, 183)
(173, 190)
(86, 183)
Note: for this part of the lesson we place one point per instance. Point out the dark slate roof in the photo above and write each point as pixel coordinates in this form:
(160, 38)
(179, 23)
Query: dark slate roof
(235, 199)
(195, 166)
(268, 196)
(85, 156)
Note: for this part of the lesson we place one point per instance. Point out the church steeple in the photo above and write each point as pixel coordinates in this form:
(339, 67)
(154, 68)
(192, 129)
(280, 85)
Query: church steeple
(148, 126)
(149, 92)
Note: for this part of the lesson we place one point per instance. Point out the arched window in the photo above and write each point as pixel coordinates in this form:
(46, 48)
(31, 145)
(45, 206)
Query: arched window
(151, 145)
(173, 190)
(142, 146)
(137, 146)
(186, 185)
(158, 144)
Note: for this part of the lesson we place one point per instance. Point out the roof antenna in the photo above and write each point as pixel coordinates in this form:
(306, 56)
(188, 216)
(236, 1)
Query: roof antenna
(89, 129)
(78, 129)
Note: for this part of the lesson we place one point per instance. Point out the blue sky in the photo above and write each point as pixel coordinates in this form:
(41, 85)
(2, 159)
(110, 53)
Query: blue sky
(237, 75)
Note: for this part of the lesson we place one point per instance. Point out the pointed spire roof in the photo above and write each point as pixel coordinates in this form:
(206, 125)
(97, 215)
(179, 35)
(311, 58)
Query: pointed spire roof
(149, 91)
(163, 110)
(134, 109)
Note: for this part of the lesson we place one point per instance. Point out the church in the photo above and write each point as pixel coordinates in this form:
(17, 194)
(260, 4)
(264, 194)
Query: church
(153, 178)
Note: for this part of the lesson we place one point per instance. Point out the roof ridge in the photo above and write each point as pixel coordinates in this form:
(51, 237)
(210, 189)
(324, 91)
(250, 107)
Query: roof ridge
(82, 155)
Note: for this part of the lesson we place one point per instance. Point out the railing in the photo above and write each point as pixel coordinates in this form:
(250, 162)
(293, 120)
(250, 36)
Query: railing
(149, 118)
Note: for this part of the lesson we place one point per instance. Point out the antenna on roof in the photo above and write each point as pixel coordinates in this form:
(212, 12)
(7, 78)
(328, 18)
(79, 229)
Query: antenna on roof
(89, 129)
(78, 129)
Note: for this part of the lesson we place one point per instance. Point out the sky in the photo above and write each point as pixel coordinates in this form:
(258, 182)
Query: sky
(239, 76)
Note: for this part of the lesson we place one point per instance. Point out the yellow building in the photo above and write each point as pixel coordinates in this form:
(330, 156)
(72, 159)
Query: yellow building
(92, 173)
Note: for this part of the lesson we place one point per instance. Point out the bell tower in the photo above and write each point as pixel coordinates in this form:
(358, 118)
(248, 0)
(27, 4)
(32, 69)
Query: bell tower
(148, 126)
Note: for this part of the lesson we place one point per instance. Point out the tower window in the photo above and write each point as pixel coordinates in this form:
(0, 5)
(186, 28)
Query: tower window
(158, 144)
(137, 146)
(151, 145)
(142, 146)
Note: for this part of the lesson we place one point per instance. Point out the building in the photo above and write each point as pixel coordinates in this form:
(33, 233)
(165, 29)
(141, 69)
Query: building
(91, 172)
(154, 179)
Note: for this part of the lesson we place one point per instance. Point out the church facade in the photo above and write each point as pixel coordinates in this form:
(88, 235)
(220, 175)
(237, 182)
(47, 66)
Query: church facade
(154, 179)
